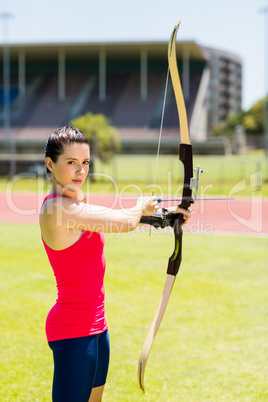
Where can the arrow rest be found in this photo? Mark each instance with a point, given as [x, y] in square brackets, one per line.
[194, 182]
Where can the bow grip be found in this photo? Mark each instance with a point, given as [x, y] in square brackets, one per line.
[174, 261]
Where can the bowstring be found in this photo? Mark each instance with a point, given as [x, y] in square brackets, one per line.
[160, 131]
[154, 184]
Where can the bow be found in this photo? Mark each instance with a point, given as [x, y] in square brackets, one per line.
[174, 220]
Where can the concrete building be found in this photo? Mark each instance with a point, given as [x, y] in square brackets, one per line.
[225, 85]
[52, 83]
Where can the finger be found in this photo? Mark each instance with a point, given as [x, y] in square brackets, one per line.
[182, 211]
[185, 213]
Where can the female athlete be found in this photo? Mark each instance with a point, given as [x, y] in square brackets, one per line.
[72, 234]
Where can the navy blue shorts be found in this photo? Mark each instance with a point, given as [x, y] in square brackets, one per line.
[80, 364]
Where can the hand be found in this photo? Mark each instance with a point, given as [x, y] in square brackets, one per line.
[178, 210]
[149, 205]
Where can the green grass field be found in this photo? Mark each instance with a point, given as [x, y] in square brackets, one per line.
[134, 173]
[212, 344]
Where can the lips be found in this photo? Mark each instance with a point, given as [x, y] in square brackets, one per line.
[78, 181]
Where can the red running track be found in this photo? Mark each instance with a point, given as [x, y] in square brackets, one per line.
[240, 216]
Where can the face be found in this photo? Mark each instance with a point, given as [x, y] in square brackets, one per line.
[71, 168]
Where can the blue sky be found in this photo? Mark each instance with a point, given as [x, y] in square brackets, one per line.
[236, 26]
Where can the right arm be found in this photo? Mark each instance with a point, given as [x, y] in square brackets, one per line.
[70, 214]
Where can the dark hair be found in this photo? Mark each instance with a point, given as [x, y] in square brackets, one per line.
[59, 138]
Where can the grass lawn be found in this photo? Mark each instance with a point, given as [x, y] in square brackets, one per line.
[134, 173]
[212, 344]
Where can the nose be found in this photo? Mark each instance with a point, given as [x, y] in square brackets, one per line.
[80, 169]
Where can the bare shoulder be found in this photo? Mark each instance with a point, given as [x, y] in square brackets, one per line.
[53, 205]
[51, 210]
[53, 223]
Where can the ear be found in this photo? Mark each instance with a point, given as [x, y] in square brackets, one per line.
[49, 164]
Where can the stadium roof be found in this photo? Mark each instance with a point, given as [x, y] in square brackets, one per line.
[113, 49]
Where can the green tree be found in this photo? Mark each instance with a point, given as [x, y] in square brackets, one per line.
[252, 120]
[227, 127]
[103, 138]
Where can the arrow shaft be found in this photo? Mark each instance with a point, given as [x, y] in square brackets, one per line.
[199, 199]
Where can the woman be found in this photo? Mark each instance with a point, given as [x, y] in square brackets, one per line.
[72, 233]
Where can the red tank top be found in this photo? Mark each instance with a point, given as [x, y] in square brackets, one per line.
[79, 272]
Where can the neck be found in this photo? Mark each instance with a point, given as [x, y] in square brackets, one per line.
[57, 188]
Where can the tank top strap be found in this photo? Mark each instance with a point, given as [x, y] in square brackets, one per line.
[50, 196]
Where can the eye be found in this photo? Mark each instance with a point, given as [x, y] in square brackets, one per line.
[70, 162]
[86, 162]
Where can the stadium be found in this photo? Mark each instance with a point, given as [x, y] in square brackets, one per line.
[211, 343]
[50, 84]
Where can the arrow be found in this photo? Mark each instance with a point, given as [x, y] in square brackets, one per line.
[199, 199]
